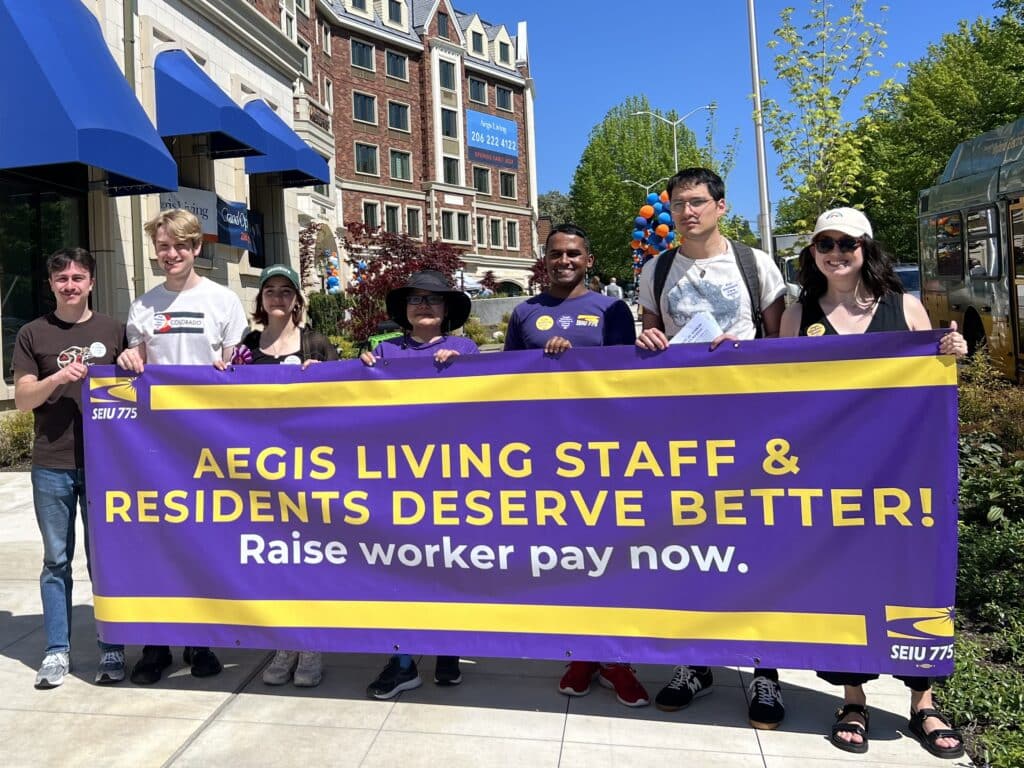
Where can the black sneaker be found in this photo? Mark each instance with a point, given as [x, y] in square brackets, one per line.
[447, 671]
[155, 659]
[204, 661]
[687, 684]
[766, 707]
[393, 680]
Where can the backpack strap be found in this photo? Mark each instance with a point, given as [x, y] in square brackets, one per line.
[662, 266]
[748, 268]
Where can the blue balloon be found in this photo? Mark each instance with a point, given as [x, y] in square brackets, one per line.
[664, 218]
[332, 281]
[638, 234]
[671, 236]
[659, 207]
[653, 198]
[639, 221]
[334, 289]
[362, 264]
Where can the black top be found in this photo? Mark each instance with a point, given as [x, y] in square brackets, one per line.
[888, 317]
[313, 346]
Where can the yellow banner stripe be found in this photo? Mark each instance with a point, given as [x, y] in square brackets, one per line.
[880, 373]
[818, 628]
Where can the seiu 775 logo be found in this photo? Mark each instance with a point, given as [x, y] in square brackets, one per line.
[113, 397]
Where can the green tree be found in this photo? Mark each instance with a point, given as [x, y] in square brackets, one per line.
[822, 63]
[556, 206]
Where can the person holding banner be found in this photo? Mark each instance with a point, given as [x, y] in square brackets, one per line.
[428, 309]
[848, 286]
[284, 340]
[186, 320]
[597, 320]
[52, 355]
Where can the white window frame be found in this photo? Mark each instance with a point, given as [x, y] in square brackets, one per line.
[386, 13]
[391, 153]
[288, 26]
[419, 221]
[508, 46]
[355, 158]
[376, 206]
[372, 96]
[366, 10]
[303, 6]
[327, 93]
[511, 227]
[389, 52]
[441, 64]
[398, 218]
[451, 215]
[490, 233]
[307, 55]
[373, 54]
[511, 98]
[460, 217]
[515, 186]
[454, 112]
[458, 174]
[481, 230]
[408, 116]
[482, 51]
[325, 36]
[486, 170]
[470, 89]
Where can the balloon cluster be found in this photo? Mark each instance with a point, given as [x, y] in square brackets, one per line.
[654, 230]
[332, 272]
[358, 271]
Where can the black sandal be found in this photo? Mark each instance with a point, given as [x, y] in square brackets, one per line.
[916, 725]
[854, 728]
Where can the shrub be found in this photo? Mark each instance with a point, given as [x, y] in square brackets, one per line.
[991, 482]
[476, 331]
[326, 312]
[989, 403]
[16, 436]
[347, 349]
[990, 579]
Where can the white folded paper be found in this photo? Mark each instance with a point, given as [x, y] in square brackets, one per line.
[701, 329]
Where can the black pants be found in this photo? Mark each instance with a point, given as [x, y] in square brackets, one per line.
[917, 684]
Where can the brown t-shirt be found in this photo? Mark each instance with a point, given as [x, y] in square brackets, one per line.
[45, 346]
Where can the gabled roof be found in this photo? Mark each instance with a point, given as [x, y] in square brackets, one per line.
[339, 10]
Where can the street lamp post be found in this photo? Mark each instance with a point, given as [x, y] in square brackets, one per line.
[675, 124]
[646, 187]
[765, 216]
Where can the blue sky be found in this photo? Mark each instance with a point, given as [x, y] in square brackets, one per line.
[588, 56]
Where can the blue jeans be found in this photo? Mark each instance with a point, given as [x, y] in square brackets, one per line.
[58, 494]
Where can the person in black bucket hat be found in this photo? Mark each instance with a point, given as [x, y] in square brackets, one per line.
[428, 309]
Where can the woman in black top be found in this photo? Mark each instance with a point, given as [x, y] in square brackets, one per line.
[279, 307]
[849, 286]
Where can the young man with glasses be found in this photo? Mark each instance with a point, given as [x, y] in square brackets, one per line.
[706, 273]
[187, 320]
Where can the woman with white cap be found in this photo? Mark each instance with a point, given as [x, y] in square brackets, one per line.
[848, 286]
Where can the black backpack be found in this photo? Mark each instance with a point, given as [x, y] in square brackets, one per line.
[748, 268]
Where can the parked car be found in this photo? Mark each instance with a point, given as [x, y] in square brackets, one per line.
[910, 276]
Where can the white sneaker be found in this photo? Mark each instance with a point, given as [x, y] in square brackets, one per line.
[310, 670]
[280, 669]
[55, 667]
[111, 668]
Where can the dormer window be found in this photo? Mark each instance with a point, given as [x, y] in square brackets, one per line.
[394, 11]
[503, 53]
[478, 43]
[442, 25]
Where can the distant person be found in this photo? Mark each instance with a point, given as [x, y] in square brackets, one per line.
[613, 289]
[186, 320]
[52, 355]
[595, 284]
[564, 316]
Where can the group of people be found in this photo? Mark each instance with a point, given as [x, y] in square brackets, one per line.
[848, 287]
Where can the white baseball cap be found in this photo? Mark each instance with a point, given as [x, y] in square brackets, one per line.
[849, 221]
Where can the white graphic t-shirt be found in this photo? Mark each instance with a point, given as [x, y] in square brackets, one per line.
[714, 285]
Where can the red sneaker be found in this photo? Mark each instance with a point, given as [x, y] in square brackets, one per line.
[622, 679]
[577, 677]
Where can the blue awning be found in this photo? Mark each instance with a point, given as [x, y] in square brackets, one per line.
[63, 99]
[189, 102]
[297, 162]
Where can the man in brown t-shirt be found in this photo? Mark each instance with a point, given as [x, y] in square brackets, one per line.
[51, 357]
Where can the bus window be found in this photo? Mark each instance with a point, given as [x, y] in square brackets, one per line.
[982, 244]
[949, 245]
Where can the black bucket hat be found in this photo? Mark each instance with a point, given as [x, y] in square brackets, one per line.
[457, 304]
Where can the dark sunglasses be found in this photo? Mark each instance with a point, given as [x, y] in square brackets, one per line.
[433, 299]
[846, 244]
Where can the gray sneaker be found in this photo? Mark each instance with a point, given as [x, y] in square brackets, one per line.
[55, 667]
[280, 669]
[310, 670]
[111, 668]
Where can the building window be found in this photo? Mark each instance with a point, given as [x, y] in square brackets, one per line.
[391, 218]
[398, 116]
[401, 165]
[477, 90]
[327, 95]
[362, 55]
[397, 65]
[412, 222]
[364, 107]
[325, 37]
[394, 11]
[447, 74]
[370, 218]
[450, 123]
[366, 159]
[511, 234]
[478, 43]
[481, 231]
[503, 97]
[302, 5]
[451, 170]
[508, 184]
[462, 221]
[496, 233]
[359, 5]
[307, 59]
[447, 225]
[288, 24]
[482, 180]
[503, 53]
[442, 25]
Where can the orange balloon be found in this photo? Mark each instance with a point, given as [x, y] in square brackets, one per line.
[634, 243]
[647, 211]
[661, 230]
[664, 196]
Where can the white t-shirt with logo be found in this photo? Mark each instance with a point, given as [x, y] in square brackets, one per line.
[713, 285]
[189, 327]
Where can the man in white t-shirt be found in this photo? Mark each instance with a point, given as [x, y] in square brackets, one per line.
[705, 276]
[188, 320]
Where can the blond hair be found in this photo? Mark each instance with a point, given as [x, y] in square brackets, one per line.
[180, 224]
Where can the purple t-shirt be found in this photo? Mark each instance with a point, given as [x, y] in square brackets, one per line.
[406, 346]
[590, 320]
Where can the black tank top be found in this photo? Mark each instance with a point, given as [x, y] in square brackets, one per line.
[888, 317]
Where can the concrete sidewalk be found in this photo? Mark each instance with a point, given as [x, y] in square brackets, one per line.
[507, 712]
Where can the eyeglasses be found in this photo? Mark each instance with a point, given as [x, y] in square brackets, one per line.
[695, 205]
[846, 244]
[433, 299]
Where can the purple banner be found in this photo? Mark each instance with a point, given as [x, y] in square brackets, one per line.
[785, 503]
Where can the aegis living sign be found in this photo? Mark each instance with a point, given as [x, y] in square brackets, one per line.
[222, 221]
[492, 140]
